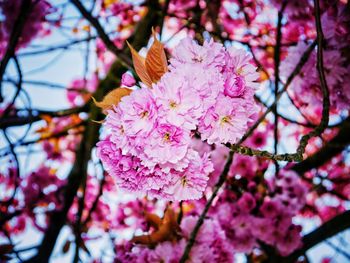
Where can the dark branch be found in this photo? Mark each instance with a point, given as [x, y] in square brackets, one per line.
[24, 12]
[331, 149]
[102, 34]
[13, 121]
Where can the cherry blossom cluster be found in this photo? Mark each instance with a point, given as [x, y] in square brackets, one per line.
[211, 246]
[236, 223]
[32, 28]
[97, 210]
[39, 189]
[208, 91]
[263, 213]
[306, 89]
[56, 147]
[79, 90]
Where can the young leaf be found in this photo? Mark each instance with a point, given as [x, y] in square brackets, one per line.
[166, 229]
[140, 67]
[156, 62]
[112, 98]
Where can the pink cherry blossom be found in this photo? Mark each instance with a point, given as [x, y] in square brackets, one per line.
[221, 124]
[191, 183]
[128, 80]
[189, 52]
[139, 112]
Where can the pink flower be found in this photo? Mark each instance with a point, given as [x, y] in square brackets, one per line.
[292, 192]
[289, 241]
[80, 90]
[33, 27]
[288, 65]
[38, 187]
[246, 203]
[208, 82]
[244, 243]
[108, 153]
[179, 104]
[224, 124]
[242, 225]
[191, 183]
[263, 230]
[167, 252]
[166, 144]
[209, 231]
[270, 208]
[116, 126]
[234, 86]
[128, 80]
[239, 72]
[258, 139]
[189, 52]
[151, 129]
[218, 156]
[139, 112]
[128, 171]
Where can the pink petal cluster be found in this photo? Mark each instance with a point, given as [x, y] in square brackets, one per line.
[209, 90]
[254, 218]
[305, 89]
[33, 26]
[80, 90]
[210, 246]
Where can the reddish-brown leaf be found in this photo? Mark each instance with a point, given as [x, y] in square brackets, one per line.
[112, 98]
[167, 229]
[153, 220]
[140, 67]
[156, 62]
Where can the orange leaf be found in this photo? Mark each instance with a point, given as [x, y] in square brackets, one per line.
[153, 220]
[167, 229]
[156, 62]
[140, 67]
[112, 98]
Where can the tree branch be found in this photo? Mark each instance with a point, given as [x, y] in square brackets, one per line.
[13, 121]
[331, 149]
[102, 34]
[24, 12]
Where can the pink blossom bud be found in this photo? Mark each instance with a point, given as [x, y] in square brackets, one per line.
[234, 86]
[128, 80]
